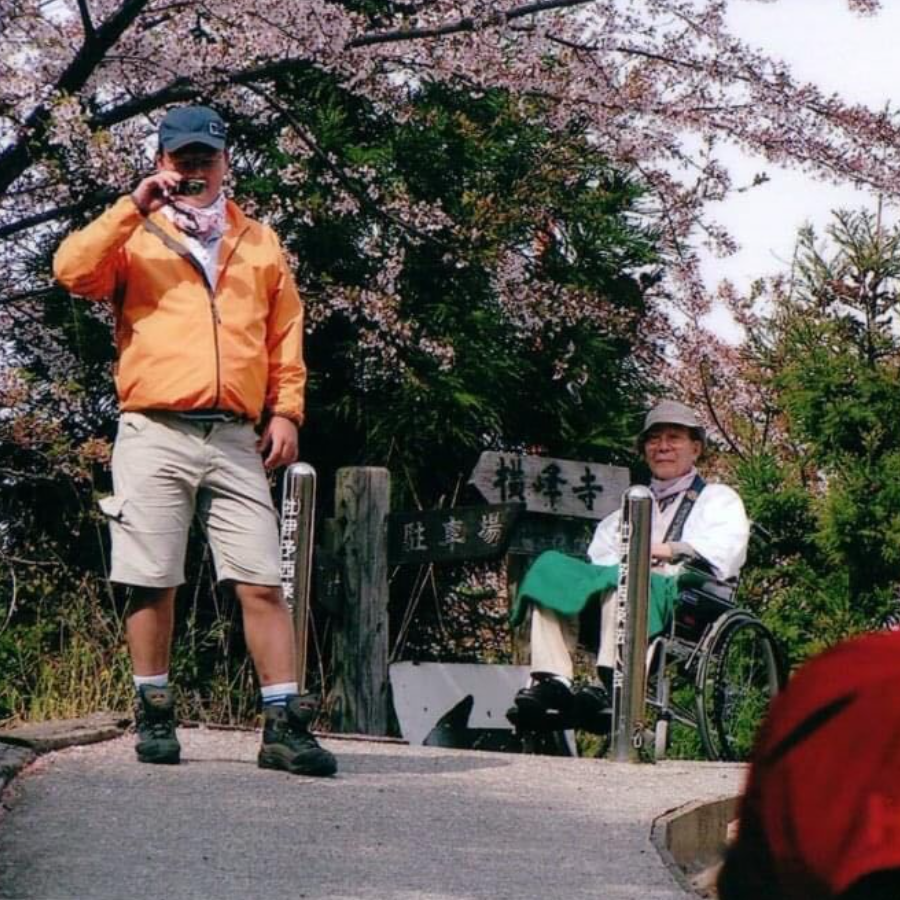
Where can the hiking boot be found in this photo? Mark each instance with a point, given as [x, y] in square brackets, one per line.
[545, 705]
[593, 709]
[154, 720]
[287, 742]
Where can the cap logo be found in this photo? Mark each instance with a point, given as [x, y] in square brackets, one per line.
[216, 129]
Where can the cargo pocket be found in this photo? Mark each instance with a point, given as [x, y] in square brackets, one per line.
[112, 507]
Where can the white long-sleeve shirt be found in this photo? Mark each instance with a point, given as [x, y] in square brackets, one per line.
[717, 529]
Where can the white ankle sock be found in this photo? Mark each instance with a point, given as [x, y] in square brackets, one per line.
[279, 694]
[561, 678]
[161, 680]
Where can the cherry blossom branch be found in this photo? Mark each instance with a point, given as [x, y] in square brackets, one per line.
[59, 212]
[468, 23]
[711, 409]
[20, 154]
[347, 183]
[87, 24]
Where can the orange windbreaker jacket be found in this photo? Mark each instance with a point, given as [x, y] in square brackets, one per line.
[183, 344]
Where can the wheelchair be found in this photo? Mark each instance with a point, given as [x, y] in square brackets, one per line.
[715, 669]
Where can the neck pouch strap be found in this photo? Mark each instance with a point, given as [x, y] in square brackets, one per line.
[176, 247]
[676, 526]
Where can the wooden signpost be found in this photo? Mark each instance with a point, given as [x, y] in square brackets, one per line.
[360, 694]
[564, 498]
[534, 504]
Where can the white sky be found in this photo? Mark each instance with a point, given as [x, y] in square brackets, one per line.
[823, 42]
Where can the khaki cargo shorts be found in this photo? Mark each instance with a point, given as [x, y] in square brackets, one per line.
[164, 470]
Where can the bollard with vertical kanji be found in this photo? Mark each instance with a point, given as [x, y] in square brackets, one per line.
[298, 502]
[632, 611]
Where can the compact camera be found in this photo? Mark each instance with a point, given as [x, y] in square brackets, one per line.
[190, 187]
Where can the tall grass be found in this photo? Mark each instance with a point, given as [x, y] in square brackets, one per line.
[63, 652]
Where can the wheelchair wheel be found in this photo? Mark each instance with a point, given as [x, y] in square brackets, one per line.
[660, 738]
[739, 672]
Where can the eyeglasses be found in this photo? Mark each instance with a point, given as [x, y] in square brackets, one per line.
[654, 439]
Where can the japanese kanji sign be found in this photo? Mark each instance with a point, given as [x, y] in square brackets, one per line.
[562, 487]
[448, 535]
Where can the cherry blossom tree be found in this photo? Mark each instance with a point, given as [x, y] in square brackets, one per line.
[659, 84]
[631, 97]
[656, 86]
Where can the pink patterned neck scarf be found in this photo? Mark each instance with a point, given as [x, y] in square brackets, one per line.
[671, 486]
[205, 223]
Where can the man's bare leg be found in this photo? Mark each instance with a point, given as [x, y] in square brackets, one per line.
[149, 626]
[269, 632]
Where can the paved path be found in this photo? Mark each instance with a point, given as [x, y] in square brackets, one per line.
[398, 823]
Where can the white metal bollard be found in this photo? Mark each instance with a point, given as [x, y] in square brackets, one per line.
[298, 503]
[632, 611]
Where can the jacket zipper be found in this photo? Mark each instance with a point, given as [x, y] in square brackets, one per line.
[214, 310]
[216, 321]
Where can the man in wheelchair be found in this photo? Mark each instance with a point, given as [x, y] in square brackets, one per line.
[695, 523]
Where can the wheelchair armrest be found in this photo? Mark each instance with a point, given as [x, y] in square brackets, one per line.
[696, 564]
[695, 577]
[700, 604]
[705, 593]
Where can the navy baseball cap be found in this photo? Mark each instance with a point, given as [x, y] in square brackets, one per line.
[185, 125]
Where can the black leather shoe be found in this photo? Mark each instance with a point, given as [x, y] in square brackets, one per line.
[545, 705]
[593, 709]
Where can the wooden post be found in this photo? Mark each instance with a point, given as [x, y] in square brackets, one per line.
[360, 697]
[520, 637]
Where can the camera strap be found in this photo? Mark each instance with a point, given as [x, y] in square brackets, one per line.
[177, 247]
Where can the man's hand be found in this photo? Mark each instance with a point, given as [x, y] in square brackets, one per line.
[155, 190]
[278, 443]
[661, 552]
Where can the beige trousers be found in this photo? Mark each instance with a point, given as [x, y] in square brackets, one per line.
[554, 638]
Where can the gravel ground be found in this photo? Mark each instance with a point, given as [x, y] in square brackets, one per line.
[397, 823]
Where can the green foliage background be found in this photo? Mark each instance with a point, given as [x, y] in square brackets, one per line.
[824, 488]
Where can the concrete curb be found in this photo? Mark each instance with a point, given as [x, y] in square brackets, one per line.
[12, 761]
[692, 838]
[20, 746]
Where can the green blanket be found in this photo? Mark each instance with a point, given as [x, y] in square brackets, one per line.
[566, 585]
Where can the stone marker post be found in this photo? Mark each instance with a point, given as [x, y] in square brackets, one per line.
[298, 506]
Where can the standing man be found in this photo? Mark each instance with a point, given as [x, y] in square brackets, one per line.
[209, 332]
[692, 522]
